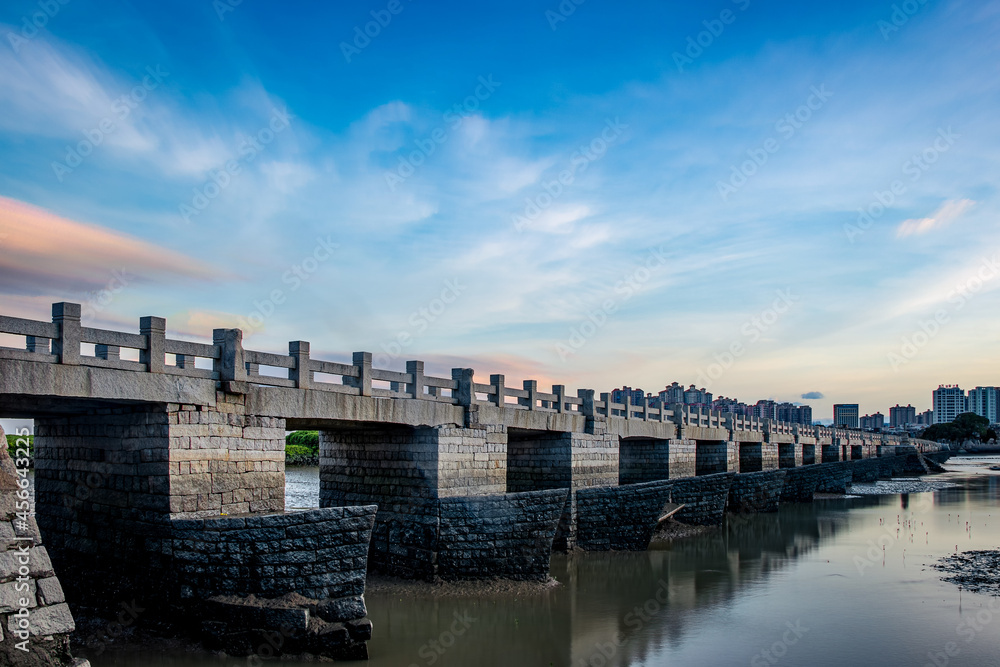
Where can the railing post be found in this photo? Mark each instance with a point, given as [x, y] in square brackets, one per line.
[110, 352]
[363, 362]
[416, 369]
[464, 392]
[67, 346]
[606, 399]
[500, 397]
[231, 364]
[530, 386]
[155, 331]
[300, 374]
[588, 409]
[627, 400]
[560, 392]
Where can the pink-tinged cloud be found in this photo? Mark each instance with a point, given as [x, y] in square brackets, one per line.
[946, 214]
[42, 253]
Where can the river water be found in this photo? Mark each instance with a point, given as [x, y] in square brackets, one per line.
[842, 581]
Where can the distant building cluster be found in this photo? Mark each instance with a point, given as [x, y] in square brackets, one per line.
[948, 401]
[694, 397]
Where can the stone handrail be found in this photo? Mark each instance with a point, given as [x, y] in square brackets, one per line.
[60, 342]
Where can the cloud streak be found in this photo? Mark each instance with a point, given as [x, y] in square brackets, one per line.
[948, 212]
[44, 253]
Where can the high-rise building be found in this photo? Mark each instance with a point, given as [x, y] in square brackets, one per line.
[794, 414]
[875, 422]
[949, 402]
[805, 415]
[636, 396]
[983, 401]
[901, 415]
[925, 418]
[672, 394]
[846, 414]
[765, 409]
[697, 397]
[731, 406]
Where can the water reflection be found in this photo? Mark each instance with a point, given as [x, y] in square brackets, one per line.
[717, 599]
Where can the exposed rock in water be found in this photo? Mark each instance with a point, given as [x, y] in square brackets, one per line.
[671, 530]
[900, 485]
[976, 571]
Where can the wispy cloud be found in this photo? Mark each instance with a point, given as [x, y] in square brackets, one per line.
[949, 211]
[45, 253]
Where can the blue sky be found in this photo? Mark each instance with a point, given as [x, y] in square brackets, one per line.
[588, 197]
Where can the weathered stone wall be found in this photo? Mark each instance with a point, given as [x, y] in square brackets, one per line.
[471, 461]
[683, 458]
[769, 456]
[537, 461]
[319, 554]
[808, 454]
[831, 453]
[644, 460]
[715, 456]
[750, 457]
[705, 498]
[835, 477]
[866, 470]
[756, 492]
[789, 455]
[800, 484]
[26, 574]
[506, 535]
[620, 517]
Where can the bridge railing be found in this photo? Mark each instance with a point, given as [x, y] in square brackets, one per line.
[60, 341]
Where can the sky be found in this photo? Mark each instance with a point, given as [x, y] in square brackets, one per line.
[795, 201]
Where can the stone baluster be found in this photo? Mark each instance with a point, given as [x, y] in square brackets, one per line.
[300, 373]
[155, 331]
[415, 369]
[67, 346]
[231, 364]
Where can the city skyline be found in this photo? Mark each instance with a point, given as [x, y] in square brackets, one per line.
[656, 210]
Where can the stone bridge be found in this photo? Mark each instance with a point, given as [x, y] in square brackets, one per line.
[164, 473]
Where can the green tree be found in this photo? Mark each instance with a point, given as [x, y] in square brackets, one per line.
[966, 426]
